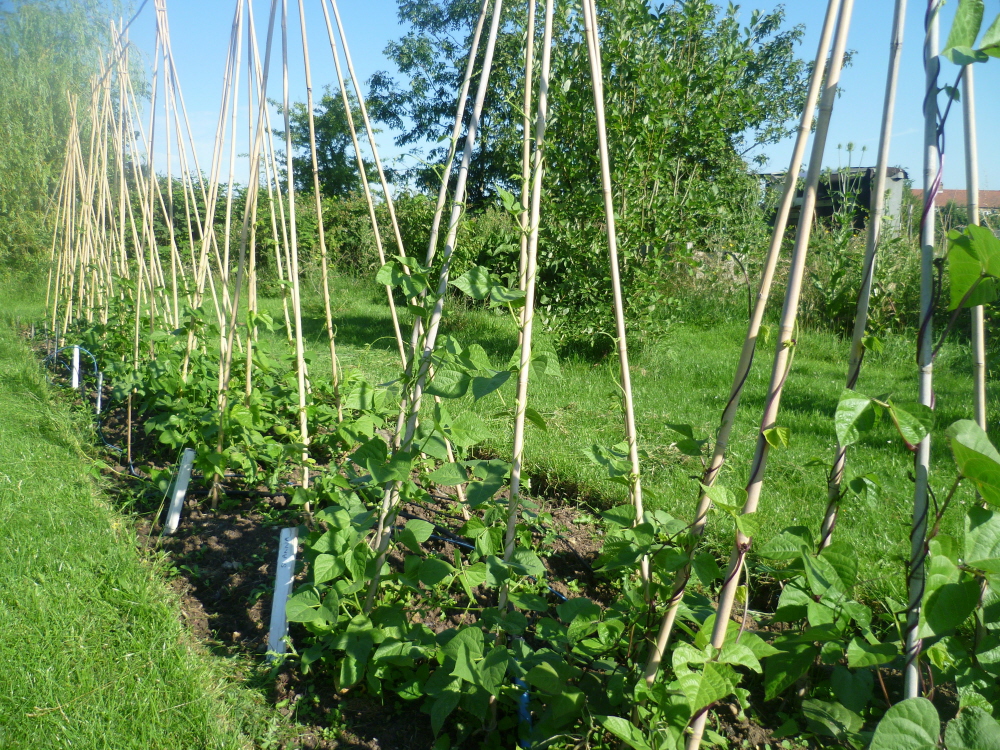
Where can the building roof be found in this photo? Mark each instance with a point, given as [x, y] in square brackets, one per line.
[988, 199]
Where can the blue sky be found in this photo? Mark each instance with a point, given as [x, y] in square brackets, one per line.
[200, 34]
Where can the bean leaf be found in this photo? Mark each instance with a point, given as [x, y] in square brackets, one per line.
[976, 457]
[475, 282]
[909, 725]
[972, 729]
[855, 414]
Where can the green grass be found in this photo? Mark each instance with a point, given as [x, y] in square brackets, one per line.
[93, 651]
[684, 377]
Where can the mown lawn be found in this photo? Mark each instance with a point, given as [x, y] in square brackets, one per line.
[93, 651]
[683, 377]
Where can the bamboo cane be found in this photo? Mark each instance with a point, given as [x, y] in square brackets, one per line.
[711, 473]
[319, 215]
[294, 268]
[925, 359]
[528, 311]
[364, 181]
[529, 59]
[271, 177]
[972, 204]
[597, 77]
[412, 403]
[368, 130]
[783, 349]
[249, 217]
[868, 268]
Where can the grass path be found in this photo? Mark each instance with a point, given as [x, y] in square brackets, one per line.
[93, 653]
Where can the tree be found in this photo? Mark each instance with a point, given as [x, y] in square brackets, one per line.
[337, 162]
[691, 94]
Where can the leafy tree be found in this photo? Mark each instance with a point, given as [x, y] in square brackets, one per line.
[692, 94]
[338, 171]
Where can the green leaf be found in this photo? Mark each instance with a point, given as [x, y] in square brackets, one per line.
[855, 414]
[536, 419]
[545, 677]
[909, 725]
[416, 532]
[784, 668]
[973, 254]
[778, 437]
[914, 422]
[526, 562]
[492, 669]
[965, 26]
[950, 604]
[976, 458]
[844, 559]
[853, 689]
[475, 282]
[706, 568]
[327, 567]
[468, 640]
[449, 475]
[444, 704]
[303, 606]
[475, 357]
[982, 539]
[972, 729]
[545, 364]
[501, 295]
[788, 545]
[965, 55]
[527, 600]
[484, 386]
[448, 384]
[860, 653]
[396, 470]
[991, 39]
[392, 274]
[835, 568]
[739, 654]
[831, 719]
[434, 570]
[624, 730]
[705, 687]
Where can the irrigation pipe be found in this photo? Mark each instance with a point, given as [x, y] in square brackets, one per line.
[783, 349]
[711, 473]
[875, 217]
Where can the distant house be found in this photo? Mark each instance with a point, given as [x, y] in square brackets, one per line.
[989, 200]
[853, 185]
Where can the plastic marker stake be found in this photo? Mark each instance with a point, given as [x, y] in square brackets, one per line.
[76, 368]
[287, 548]
[180, 488]
[100, 389]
